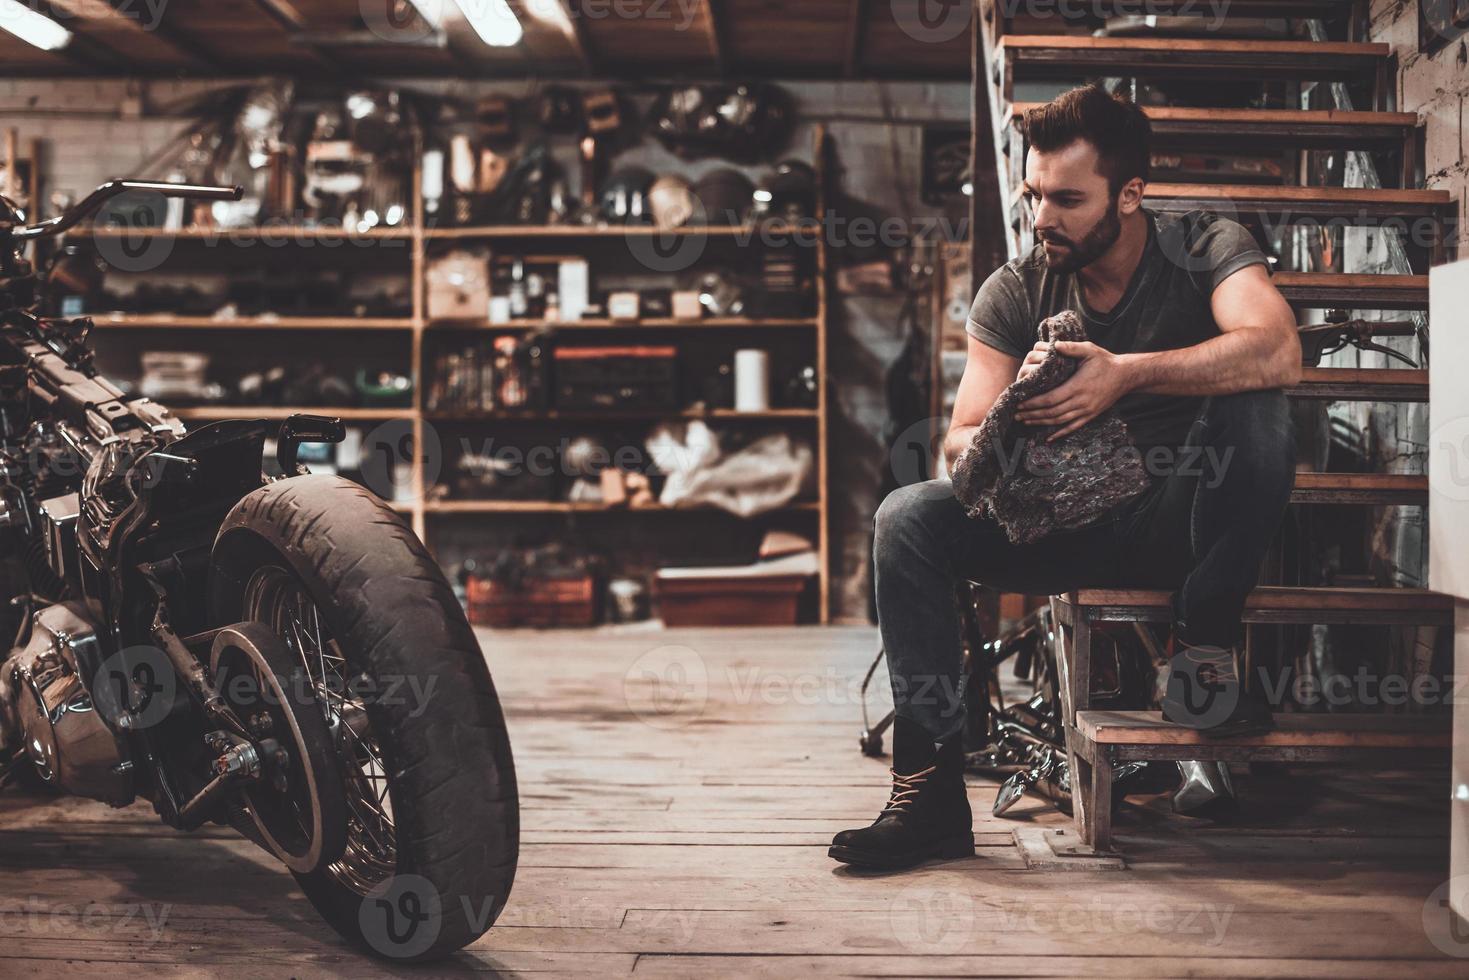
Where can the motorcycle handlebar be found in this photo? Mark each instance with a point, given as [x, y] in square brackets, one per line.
[94, 200]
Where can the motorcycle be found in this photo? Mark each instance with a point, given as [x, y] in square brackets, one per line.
[278, 653]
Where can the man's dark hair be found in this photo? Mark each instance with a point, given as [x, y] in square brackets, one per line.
[1116, 126]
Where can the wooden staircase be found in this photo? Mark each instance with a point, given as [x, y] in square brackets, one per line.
[1072, 56]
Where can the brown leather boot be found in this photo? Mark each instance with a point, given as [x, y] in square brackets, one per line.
[927, 815]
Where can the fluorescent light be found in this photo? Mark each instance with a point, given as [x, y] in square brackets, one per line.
[493, 20]
[32, 27]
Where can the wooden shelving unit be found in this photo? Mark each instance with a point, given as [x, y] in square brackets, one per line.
[418, 236]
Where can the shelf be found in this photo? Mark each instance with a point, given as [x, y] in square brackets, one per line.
[592, 416]
[412, 247]
[615, 231]
[214, 413]
[648, 322]
[170, 321]
[268, 234]
[566, 507]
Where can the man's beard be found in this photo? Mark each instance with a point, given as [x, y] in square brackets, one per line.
[1092, 246]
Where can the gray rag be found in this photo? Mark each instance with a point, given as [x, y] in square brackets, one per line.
[1033, 487]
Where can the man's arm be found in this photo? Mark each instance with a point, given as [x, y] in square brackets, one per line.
[987, 372]
[1258, 347]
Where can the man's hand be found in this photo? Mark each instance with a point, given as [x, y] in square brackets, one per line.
[1034, 359]
[1100, 380]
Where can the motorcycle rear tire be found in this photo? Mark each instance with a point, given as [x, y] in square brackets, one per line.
[451, 774]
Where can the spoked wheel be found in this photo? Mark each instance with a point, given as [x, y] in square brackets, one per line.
[296, 798]
[404, 698]
[275, 601]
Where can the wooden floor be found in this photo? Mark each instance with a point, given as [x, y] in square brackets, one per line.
[679, 790]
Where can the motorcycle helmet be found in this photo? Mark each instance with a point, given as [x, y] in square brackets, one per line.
[671, 201]
[788, 194]
[724, 196]
[624, 196]
[739, 122]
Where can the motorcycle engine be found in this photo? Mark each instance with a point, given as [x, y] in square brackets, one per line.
[44, 701]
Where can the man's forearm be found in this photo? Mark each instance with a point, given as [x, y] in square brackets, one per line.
[1241, 360]
[956, 441]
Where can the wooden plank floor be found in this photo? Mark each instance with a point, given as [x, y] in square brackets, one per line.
[679, 790]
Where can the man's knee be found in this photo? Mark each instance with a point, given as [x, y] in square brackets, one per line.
[910, 515]
[1256, 426]
[1253, 410]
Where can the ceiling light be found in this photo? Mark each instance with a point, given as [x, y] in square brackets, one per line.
[493, 20]
[32, 27]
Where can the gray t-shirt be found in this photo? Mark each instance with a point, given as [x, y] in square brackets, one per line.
[1165, 307]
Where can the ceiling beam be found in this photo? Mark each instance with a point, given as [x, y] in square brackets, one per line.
[858, 16]
[290, 20]
[580, 37]
[718, 36]
[184, 45]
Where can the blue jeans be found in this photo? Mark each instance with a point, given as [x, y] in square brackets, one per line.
[1201, 530]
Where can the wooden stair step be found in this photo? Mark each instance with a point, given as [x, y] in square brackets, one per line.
[1339, 731]
[1360, 488]
[1353, 291]
[1280, 604]
[1362, 384]
[1030, 56]
[1270, 129]
[1316, 203]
